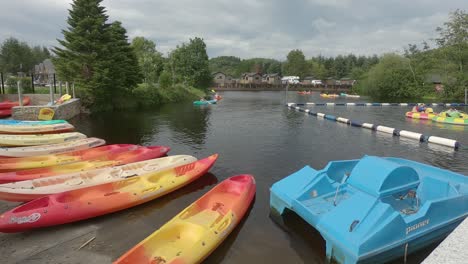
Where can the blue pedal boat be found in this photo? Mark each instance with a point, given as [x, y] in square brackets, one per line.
[374, 209]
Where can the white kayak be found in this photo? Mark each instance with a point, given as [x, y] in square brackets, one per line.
[80, 144]
[39, 139]
[32, 189]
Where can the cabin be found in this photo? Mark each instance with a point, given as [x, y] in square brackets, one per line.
[221, 79]
[330, 81]
[436, 81]
[43, 71]
[251, 78]
[308, 80]
[273, 78]
[347, 82]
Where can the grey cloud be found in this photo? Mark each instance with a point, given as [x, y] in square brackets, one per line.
[248, 28]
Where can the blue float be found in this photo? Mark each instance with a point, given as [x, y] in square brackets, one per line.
[374, 209]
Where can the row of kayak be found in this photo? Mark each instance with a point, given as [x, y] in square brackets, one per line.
[67, 177]
[447, 117]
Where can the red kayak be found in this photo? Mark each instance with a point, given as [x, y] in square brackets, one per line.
[7, 104]
[113, 159]
[101, 199]
[5, 113]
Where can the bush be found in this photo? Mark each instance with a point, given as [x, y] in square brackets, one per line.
[26, 85]
[147, 95]
[165, 80]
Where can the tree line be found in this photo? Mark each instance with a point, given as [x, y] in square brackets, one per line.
[296, 64]
[18, 56]
[412, 74]
[409, 74]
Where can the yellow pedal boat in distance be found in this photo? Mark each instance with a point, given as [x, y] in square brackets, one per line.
[40, 139]
[198, 230]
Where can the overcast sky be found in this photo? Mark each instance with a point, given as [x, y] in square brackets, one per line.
[249, 28]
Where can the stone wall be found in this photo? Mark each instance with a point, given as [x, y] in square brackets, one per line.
[63, 111]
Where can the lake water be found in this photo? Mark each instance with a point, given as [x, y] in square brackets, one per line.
[254, 133]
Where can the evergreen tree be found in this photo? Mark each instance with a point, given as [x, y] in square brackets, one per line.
[96, 55]
[126, 73]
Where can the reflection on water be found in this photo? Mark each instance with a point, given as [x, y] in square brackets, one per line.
[255, 133]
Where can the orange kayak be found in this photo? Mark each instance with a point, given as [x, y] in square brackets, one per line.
[9, 104]
[193, 234]
[76, 205]
[103, 152]
[115, 159]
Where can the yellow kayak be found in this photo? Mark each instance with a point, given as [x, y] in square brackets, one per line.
[194, 233]
[40, 139]
[75, 145]
[37, 129]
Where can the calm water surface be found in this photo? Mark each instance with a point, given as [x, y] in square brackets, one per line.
[254, 133]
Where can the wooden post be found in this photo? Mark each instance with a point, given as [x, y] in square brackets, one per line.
[60, 88]
[67, 90]
[51, 91]
[73, 89]
[55, 85]
[32, 82]
[3, 86]
[20, 96]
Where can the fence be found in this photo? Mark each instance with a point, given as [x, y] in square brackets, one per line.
[34, 83]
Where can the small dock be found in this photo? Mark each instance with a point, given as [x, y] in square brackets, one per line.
[453, 249]
[65, 111]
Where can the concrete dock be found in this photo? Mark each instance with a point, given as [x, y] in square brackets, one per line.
[453, 250]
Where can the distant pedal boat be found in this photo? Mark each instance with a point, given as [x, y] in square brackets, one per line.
[375, 209]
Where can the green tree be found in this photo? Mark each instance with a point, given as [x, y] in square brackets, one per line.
[391, 78]
[15, 56]
[226, 64]
[150, 60]
[453, 45]
[126, 73]
[295, 64]
[96, 55]
[274, 67]
[189, 63]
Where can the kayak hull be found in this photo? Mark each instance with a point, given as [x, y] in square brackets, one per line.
[198, 230]
[40, 139]
[417, 115]
[9, 104]
[29, 190]
[205, 102]
[32, 123]
[116, 159]
[35, 129]
[76, 205]
[58, 148]
[101, 153]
